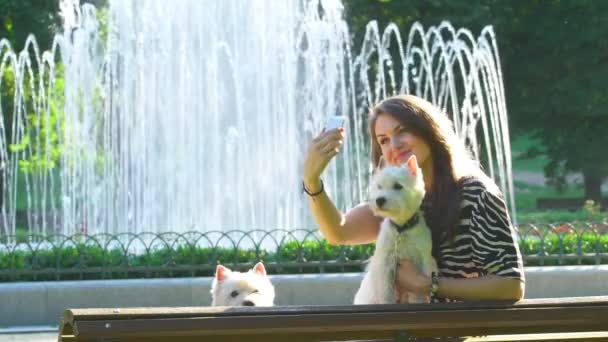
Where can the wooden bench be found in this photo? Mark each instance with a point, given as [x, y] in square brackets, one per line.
[335, 323]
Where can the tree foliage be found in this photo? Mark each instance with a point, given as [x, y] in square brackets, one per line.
[554, 55]
[557, 88]
[20, 18]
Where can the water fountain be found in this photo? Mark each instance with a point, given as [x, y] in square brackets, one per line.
[195, 115]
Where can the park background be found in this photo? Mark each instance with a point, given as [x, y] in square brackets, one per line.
[554, 59]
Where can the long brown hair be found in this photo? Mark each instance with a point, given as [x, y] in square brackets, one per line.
[451, 162]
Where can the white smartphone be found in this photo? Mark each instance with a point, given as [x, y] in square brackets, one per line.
[334, 122]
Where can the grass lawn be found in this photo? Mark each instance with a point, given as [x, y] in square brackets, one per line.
[519, 145]
[525, 204]
[526, 194]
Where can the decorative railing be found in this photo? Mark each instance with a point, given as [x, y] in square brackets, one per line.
[576, 243]
[194, 254]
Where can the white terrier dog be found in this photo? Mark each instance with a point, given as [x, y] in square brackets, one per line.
[397, 194]
[232, 288]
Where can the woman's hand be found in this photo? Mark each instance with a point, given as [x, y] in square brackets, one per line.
[409, 279]
[321, 150]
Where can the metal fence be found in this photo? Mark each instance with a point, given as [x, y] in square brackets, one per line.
[191, 254]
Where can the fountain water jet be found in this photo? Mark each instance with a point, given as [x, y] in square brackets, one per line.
[195, 116]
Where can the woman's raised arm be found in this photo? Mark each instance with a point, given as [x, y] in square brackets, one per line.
[358, 225]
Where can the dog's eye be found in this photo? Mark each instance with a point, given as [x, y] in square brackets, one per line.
[255, 291]
[234, 294]
[397, 186]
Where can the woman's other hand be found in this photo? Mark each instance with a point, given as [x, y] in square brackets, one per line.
[409, 279]
[320, 151]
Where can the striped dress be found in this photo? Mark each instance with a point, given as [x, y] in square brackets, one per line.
[485, 241]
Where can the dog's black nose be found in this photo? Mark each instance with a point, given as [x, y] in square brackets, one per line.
[380, 201]
[248, 303]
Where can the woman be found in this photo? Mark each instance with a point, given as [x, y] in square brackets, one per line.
[474, 241]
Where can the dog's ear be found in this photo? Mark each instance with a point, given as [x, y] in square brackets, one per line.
[259, 269]
[221, 272]
[412, 165]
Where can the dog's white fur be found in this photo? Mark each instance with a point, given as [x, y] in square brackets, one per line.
[252, 288]
[396, 195]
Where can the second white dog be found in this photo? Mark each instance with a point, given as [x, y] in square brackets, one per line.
[396, 195]
[252, 288]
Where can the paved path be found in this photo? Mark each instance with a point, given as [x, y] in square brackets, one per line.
[29, 337]
[592, 336]
[538, 178]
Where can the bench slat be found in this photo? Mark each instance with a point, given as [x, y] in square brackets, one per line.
[342, 322]
[125, 313]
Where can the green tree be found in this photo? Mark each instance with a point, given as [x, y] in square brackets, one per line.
[473, 14]
[556, 84]
[23, 17]
[554, 55]
[38, 142]
[19, 19]
[39, 139]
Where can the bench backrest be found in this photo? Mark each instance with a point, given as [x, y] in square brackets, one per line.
[315, 323]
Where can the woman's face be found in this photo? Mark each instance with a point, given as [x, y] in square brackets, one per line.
[398, 142]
